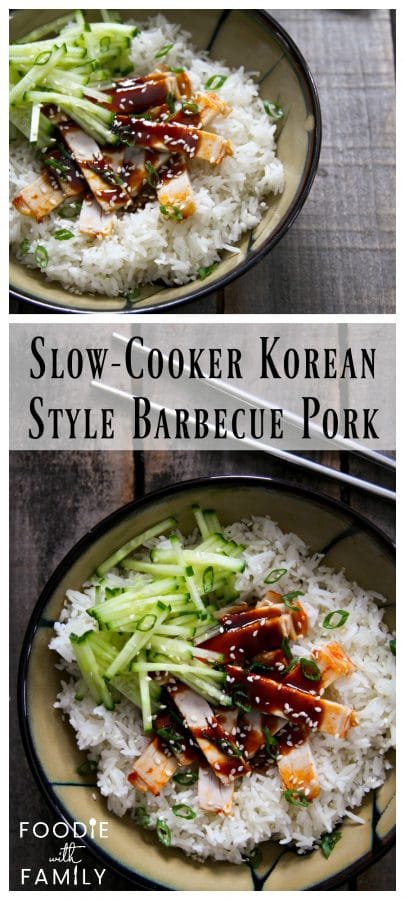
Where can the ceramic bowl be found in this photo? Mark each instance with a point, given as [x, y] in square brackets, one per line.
[328, 527]
[255, 40]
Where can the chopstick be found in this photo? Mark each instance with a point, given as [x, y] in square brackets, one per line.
[285, 455]
[294, 420]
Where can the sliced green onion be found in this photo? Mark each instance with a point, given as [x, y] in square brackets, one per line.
[296, 798]
[105, 43]
[393, 647]
[286, 649]
[183, 811]
[273, 110]
[153, 174]
[178, 70]
[57, 166]
[41, 257]
[215, 82]
[291, 665]
[146, 623]
[163, 832]
[87, 768]
[271, 745]
[24, 246]
[186, 778]
[287, 599]
[141, 816]
[164, 51]
[190, 107]
[208, 579]
[108, 175]
[275, 575]
[170, 737]
[241, 700]
[43, 58]
[342, 614]
[328, 843]
[310, 669]
[204, 271]
[70, 210]
[63, 234]
[170, 101]
[171, 212]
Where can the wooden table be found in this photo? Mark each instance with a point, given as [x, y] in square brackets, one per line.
[56, 498]
[339, 256]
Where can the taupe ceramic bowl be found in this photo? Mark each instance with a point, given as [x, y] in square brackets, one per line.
[348, 541]
[238, 37]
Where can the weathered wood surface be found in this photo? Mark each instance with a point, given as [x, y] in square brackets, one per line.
[339, 254]
[338, 257]
[55, 498]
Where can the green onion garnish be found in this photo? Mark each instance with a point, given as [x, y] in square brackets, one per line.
[342, 614]
[87, 768]
[215, 82]
[70, 210]
[107, 174]
[41, 257]
[141, 816]
[275, 575]
[296, 798]
[178, 70]
[204, 271]
[291, 665]
[271, 743]
[25, 246]
[164, 51]
[153, 175]
[186, 778]
[328, 842]
[57, 166]
[273, 110]
[63, 234]
[146, 623]
[241, 700]
[105, 43]
[286, 649]
[173, 738]
[393, 647]
[183, 811]
[43, 58]
[208, 579]
[310, 669]
[171, 212]
[163, 832]
[287, 598]
[170, 102]
[190, 107]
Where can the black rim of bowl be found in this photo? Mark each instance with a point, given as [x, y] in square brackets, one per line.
[283, 226]
[228, 481]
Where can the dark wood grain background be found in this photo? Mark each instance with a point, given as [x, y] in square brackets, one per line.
[56, 497]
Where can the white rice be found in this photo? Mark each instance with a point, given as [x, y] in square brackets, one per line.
[230, 198]
[347, 769]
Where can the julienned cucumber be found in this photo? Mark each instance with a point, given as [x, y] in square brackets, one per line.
[136, 542]
[62, 63]
[152, 609]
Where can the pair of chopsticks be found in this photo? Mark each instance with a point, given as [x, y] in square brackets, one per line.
[293, 420]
